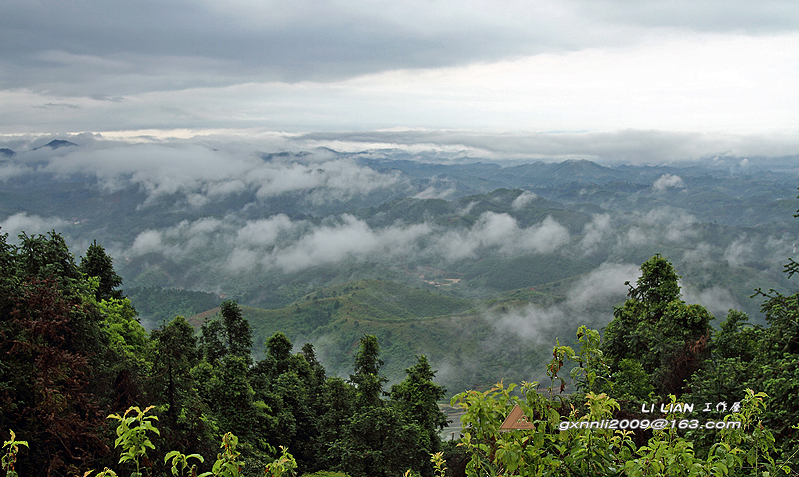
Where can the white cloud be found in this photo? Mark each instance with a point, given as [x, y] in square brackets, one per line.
[203, 173]
[595, 232]
[263, 232]
[15, 224]
[667, 181]
[523, 199]
[717, 300]
[604, 283]
[634, 237]
[701, 256]
[207, 236]
[588, 301]
[8, 170]
[545, 237]
[672, 224]
[351, 238]
[531, 322]
[739, 252]
[146, 242]
[501, 231]
[433, 192]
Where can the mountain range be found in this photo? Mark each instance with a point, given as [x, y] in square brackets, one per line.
[481, 265]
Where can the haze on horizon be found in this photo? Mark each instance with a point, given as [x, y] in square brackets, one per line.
[630, 80]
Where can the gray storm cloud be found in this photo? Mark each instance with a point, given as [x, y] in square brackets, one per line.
[157, 45]
[340, 65]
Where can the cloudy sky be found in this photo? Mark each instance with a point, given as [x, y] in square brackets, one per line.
[705, 77]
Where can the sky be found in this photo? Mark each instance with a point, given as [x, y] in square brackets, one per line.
[553, 78]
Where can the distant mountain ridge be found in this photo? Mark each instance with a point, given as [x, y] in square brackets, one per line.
[327, 246]
[55, 144]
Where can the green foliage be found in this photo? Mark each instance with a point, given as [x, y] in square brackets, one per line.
[417, 396]
[283, 465]
[98, 264]
[103, 473]
[61, 344]
[631, 382]
[212, 341]
[553, 450]
[776, 366]
[60, 353]
[132, 435]
[379, 441]
[229, 335]
[658, 330]
[180, 462]
[174, 353]
[278, 353]
[325, 473]
[367, 378]
[46, 257]
[438, 463]
[10, 457]
[229, 395]
[227, 462]
[237, 330]
[126, 336]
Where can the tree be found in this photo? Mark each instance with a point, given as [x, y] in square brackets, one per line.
[212, 343]
[230, 335]
[317, 370]
[237, 330]
[54, 355]
[380, 441]
[46, 380]
[373, 439]
[417, 398]
[367, 378]
[654, 327]
[278, 354]
[336, 406]
[776, 365]
[174, 354]
[97, 263]
[227, 391]
[48, 257]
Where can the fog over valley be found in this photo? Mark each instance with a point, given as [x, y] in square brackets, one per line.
[518, 164]
[521, 252]
[333, 235]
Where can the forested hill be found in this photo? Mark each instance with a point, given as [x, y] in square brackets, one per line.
[528, 251]
[77, 367]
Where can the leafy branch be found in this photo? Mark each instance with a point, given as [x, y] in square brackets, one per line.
[132, 435]
[10, 458]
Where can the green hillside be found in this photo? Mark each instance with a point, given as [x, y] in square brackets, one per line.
[457, 335]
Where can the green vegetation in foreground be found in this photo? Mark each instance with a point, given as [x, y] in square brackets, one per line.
[74, 355]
